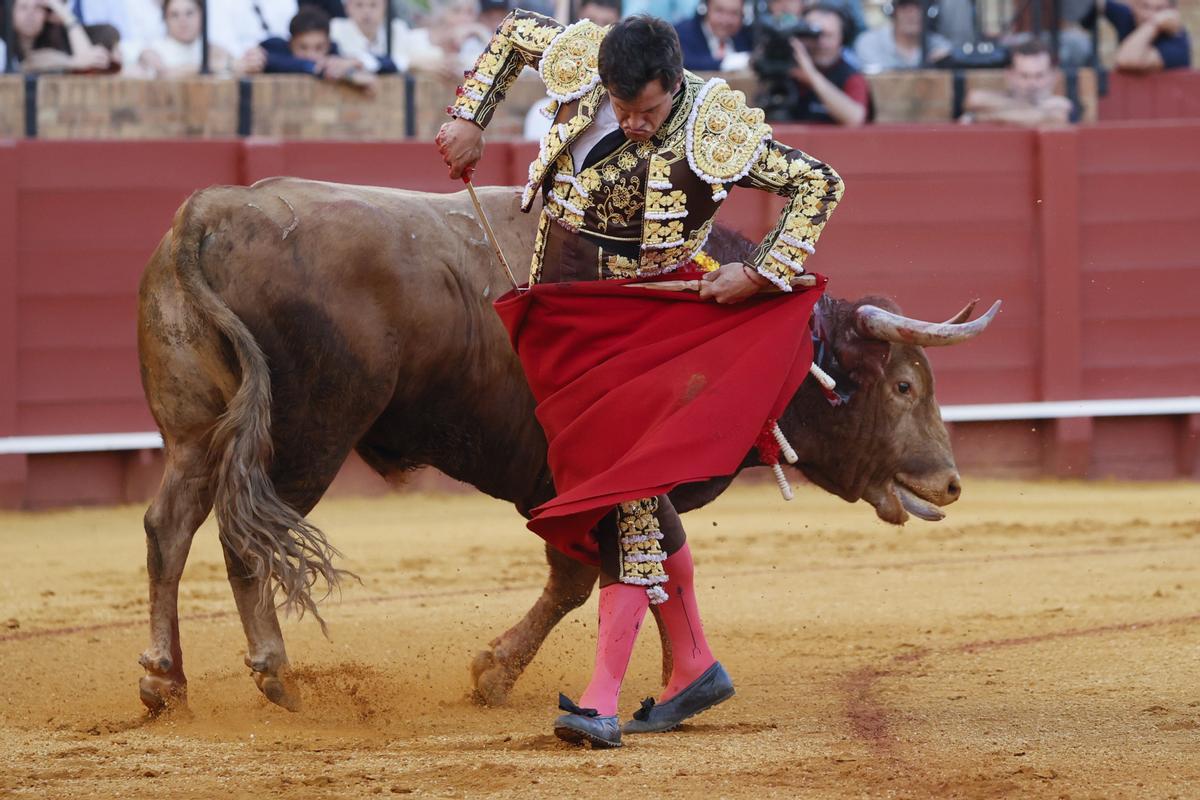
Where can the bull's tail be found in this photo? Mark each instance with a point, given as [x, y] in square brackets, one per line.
[288, 554]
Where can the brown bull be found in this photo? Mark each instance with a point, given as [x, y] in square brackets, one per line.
[283, 325]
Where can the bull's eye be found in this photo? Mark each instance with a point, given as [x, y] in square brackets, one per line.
[903, 387]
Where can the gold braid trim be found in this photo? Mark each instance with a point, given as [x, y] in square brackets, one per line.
[814, 190]
[639, 541]
[519, 42]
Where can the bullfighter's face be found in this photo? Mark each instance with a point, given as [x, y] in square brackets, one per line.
[641, 117]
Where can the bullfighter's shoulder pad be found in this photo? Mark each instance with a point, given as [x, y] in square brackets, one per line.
[724, 135]
[529, 31]
[570, 65]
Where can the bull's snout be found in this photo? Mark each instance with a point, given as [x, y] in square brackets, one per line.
[953, 488]
[941, 487]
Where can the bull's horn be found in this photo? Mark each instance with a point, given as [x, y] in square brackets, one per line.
[873, 322]
[964, 315]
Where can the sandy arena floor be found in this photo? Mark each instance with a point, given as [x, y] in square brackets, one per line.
[1042, 641]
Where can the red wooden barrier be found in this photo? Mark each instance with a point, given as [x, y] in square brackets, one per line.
[1174, 94]
[1088, 235]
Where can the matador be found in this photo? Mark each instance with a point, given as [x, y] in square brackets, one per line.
[640, 157]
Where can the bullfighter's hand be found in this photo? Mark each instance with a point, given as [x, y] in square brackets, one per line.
[731, 283]
[460, 142]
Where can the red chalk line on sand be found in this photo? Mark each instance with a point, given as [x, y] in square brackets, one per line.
[20, 636]
[869, 719]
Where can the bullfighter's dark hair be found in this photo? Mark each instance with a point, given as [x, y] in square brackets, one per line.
[308, 19]
[638, 50]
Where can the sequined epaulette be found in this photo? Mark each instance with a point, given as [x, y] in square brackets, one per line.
[570, 63]
[725, 137]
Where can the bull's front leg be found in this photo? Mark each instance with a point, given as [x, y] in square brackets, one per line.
[495, 670]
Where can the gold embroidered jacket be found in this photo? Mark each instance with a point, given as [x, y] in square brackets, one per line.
[657, 197]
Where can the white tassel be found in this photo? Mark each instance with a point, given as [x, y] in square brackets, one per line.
[785, 447]
[823, 378]
[785, 488]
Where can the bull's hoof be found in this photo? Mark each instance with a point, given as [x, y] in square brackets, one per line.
[493, 680]
[279, 689]
[161, 694]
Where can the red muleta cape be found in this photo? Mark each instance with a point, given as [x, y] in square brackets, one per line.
[641, 390]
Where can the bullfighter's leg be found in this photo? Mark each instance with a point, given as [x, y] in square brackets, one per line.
[496, 669]
[697, 681]
[183, 501]
[265, 653]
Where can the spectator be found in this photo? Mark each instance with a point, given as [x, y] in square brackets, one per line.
[237, 26]
[179, 52]
[828, 90]
[716, 38]
[601, 12]
[956, 20]
[897, 44]
[362, 35]
[50, 38]
[451, 41]
[673, 11]
[144, 25]
[310, 51]
[108, 37]
[854, 19]
[1151, 35]
[1028, 99]
[491, 14]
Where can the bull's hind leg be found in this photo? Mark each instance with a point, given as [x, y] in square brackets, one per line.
[496, 670]
[183, 501]
[301, 477]
[265, 653]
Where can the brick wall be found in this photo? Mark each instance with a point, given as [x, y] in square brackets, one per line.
[299, 107]
[12, 106]
[104, 107]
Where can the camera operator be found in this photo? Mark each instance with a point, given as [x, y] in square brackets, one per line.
[819, 87]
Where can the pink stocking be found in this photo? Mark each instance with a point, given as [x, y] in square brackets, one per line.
[622, 607]
[681, 618]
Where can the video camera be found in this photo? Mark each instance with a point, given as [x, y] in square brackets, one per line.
[774, 60]
[773, 51]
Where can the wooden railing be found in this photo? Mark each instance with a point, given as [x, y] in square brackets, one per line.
[300, 107]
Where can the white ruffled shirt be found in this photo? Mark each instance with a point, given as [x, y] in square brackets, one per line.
[604, 123]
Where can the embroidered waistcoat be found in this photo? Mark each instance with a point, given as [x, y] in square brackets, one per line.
[648, 205]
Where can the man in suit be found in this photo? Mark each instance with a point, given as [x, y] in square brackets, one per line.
[716, 39]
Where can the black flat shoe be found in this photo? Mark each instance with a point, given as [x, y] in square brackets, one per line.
[711, 688]
[581, 725]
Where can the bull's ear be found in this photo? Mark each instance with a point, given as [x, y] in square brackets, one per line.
[864, 360]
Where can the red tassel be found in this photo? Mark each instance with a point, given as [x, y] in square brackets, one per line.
[768, 448]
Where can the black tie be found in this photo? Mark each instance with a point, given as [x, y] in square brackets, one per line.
[603, 148]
